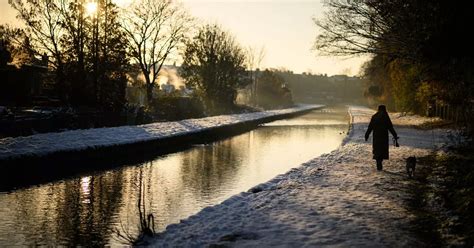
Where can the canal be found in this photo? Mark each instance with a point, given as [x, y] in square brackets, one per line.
[93, 209]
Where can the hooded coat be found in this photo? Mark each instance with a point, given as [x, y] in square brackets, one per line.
[380, 124]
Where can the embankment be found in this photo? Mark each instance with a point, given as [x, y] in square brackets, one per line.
[45, 157]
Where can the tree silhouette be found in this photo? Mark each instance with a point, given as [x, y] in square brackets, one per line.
[87, 51]
[45, 27]
[412, 43]
[154, 29]
[214, 64]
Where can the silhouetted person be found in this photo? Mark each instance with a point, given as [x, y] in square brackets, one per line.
[380, 124]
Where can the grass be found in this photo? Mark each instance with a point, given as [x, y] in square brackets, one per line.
[425, 224]
[439, 123]
[443, 198]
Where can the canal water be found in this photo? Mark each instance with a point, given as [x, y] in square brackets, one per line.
[101, 208]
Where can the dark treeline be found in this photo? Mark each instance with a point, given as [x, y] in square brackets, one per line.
[94, 58]
[87, 53]
[421, 59]
[421, 54]
[91, 47]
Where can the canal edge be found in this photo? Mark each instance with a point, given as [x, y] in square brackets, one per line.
[60, 164]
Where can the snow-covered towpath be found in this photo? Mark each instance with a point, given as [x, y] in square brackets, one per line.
[337, 199]
[77, 140]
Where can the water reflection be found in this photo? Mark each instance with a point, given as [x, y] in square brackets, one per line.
[78, 211]
[86, 189]
[89, 209]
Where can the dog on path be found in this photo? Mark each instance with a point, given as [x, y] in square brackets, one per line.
[411, 164]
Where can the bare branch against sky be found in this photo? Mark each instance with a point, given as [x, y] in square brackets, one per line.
[284, 27]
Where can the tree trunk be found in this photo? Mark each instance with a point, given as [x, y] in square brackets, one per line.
[61, 85]
[149, 93]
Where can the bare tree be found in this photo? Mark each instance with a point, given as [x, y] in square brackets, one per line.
[254, 58]
[214, 64]
[86, 50]
[155, 29]
[44, 27]
[365, 27]
[15, 47]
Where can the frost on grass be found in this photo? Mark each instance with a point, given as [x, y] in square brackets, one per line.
[337, 199]
[77, 140]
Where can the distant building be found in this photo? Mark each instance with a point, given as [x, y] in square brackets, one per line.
[342, 78]
[23, 82]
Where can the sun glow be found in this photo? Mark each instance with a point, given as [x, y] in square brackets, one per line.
[122, 3]
[91, 8]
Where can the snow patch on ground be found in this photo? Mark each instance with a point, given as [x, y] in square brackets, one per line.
[77, 140]
[337, 199]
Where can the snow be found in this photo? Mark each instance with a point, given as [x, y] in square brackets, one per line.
[77, 140]
[338, 199]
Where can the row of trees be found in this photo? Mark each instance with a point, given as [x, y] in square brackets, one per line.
[87, 51]
[420, 50]
[217, 66]
[92, 47]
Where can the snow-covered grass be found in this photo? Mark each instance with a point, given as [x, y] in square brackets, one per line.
[76, 140]
[338, 199]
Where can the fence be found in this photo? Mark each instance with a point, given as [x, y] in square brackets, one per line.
[457, 114]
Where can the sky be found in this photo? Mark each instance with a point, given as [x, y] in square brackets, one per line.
[283, 27]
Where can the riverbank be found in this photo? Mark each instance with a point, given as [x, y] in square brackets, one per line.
[337, 199]
[52, 155]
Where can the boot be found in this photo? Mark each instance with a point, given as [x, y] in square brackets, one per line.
[379, 165]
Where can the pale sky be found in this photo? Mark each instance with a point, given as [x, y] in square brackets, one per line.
[284, 27]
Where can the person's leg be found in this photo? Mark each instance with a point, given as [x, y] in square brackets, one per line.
[379, 164]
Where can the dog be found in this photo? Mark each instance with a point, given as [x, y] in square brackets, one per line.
[411, 164]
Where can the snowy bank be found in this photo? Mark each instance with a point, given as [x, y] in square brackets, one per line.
[337, 199]
[41, 145]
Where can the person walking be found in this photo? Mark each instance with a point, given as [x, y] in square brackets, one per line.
[380, 124]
